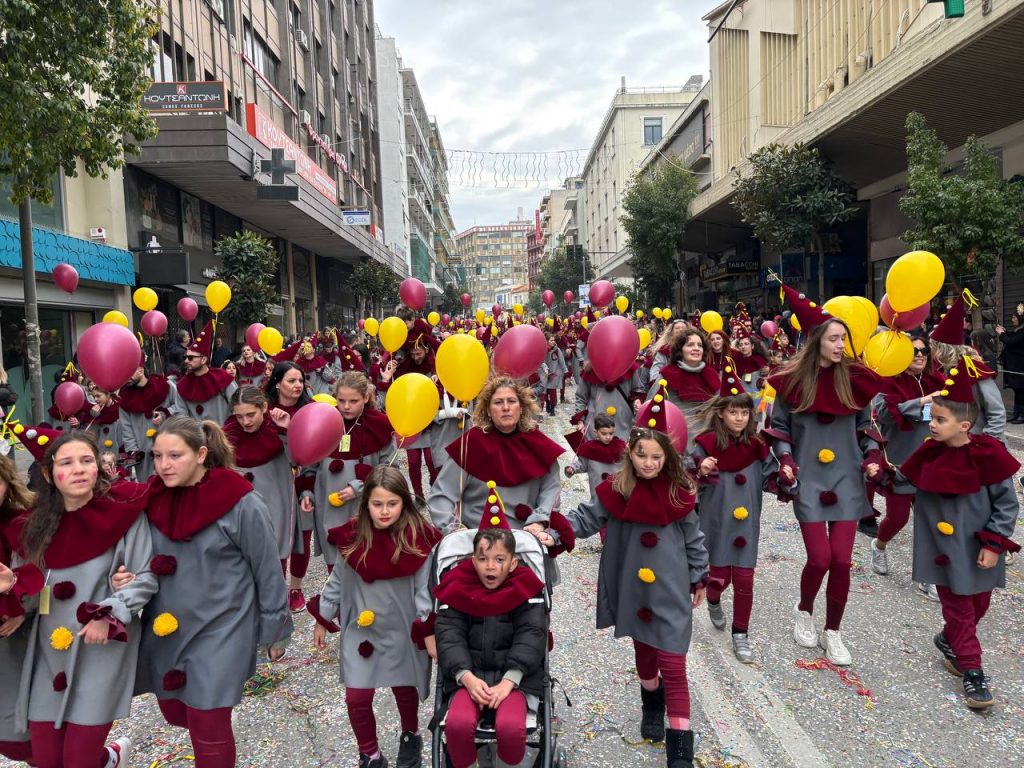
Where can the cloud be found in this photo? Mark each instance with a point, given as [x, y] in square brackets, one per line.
[534, 76]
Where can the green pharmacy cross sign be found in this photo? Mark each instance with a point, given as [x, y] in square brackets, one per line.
[954, 8]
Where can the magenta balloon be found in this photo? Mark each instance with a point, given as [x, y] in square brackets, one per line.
[568, 296]
[480, 333]
[187, 309]
[768, 329]
[520, 351]
[252, 336]
[466, 299]
[903, 321]
[674, 420]
[69, 397]
[612, 347]
[154, 323]
[578, 315]
[548, 297]
[413, 293]
[361, 323]
[601, 294]
[108, 354]
[66, 277]
[446, 318]
[315, 431]
[496, 310]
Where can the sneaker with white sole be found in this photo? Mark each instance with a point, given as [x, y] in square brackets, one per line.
[929, 591]
[832, 643]
[879, 559]
[717, 615]
[741, 647]
[117, 753]
[803, 629]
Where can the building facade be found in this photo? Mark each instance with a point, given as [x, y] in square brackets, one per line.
[447, 265]
[495, 259]
[391, 110]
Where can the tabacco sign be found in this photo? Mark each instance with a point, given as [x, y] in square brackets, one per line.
[262, 127]
[710, 273]
[204, 96]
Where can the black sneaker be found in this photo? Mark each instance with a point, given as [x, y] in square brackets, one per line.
[410, 750]
[948, 657]
[976, 690]
[365, 761]
[868, 526]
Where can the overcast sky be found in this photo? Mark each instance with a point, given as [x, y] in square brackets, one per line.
[535, 76]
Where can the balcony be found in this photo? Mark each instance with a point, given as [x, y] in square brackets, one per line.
[413, 117]
[420, 208]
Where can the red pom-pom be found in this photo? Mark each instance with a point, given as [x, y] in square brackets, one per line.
[942, 560]
[60, 682]
[739, 542]
[363, 471]
[366, 649]
[645, 615]
[63, 590]
[649, 539]
[605, 475]
[199, 409]
[741, 479]
[174, 680]
[163, 565]
[828, 498]
[523, 511]
[336, 466]
[249, 476]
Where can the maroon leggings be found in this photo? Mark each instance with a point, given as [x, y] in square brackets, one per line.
[18, 751]
[962, 614]
[416, 455]
[509, 729]
[359, 702]
[210, 729]
[897, 514]
[551, 396]
[650, 661]
[829, 550]
[300, 561]
[742, 580]
[70, 746]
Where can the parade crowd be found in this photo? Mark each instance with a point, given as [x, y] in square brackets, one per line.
[162, 540]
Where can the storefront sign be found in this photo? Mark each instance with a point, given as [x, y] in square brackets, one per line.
[202, 96]
[266, 132]
[691, 140]
[710, 273]
[328, 150]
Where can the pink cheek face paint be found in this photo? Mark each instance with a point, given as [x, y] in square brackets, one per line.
[60, 477]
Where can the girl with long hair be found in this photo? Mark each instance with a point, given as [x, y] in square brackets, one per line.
[379, 597]
[103, 419]
[689, 382]
[84, 641]
[221, 596]
[719, 350]
[250, 367]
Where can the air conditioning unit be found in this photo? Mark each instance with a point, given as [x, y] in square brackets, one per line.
[302, 39]
[305, 118]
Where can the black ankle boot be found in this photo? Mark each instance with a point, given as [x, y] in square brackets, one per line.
[410, 750]
[679, 749]
[652, 722]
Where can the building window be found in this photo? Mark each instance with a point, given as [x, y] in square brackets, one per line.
[260, 55]
[49, 216]
[652, 130]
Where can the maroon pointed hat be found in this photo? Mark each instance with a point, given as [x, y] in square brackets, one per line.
[203, 343]
[807, 312]
[36, 439]
[731, 384]
[652, 413]
[950, 329]
[288, 354]
[958, 385]
[739, 331]
[494, 509]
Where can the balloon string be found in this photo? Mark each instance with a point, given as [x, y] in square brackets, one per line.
[462, 474]
[969, 299]
[7, 428]
[401, 444]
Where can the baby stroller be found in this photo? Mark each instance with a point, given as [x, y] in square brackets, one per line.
[539, 734]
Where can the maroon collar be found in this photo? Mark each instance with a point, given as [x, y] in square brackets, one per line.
[864, 382]
[651, 502]
[251, 370]
[937, 468]
[508, 460]
[736, 456]
[462, 589]
[595, 450]
[691, 387]
[145, 399]
[379, 563]
[180, 513]
[199, 389]
[368, 434]
[311, 364]
[254, 449]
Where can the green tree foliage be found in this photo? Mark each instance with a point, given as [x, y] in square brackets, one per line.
[375, 285]
[451, 300]
[565, 269]
[249, 265]
[790, 198]
[657, 210]
[971, 218]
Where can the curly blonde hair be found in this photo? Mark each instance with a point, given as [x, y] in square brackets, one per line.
[482, 409]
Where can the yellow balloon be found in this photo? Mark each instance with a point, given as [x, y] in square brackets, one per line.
[270, 340]
[621, 304]
[656, 312]
[371, 325]
[550, 322]
[794, 322]
[113, 316]
[711, 321]
[914, 279]
[323, 397]
[462, 366]
[666, 314]
[218, 295]
[411, 402]
[597, 314]
[889, 353]
[393, 333]
[433, 318]
[480, 315]
[645, 338]
[860, 316]
[517, 308]
[584, 321]
[145, 299]
[639, 314]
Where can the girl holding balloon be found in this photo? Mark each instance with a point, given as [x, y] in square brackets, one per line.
[103, 419]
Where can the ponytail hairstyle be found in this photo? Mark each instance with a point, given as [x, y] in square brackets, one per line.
[358, 381]
[209, 435]
[714, 423]
[44, 520]
[624, 481]
[250, 396]
[407, 531]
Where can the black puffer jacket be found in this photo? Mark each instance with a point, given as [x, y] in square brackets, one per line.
[492, 645]
[1013, 357]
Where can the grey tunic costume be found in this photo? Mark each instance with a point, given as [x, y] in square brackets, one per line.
[228, 597]
[108, 436]
[557, 368]
[596, 398]
[99, 677]
[396, 604]
[678, 559]
[274, 483]
[134, 429]
[992, 419]
[217, 408]
[451, 422]
[12, 660]
[457, 488]
[901, 443]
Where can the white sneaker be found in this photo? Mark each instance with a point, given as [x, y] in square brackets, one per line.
[117, 752]
[803, 630]
[879, 559]
[835, 651]
[929, 591]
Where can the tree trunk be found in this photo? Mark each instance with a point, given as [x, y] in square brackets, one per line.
[819, 247]
[28, 270]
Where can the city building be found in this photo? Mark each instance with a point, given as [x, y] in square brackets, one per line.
[391, 113]
[495, 259]
[555, 226]
[534, 255]
[448, 267]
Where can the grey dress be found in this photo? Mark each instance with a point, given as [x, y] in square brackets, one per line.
[274, 483]
[992, 419]
[457, 489]
[136, 431]
[595, 398]
[901, 442]
[216, 408]
[451, 422]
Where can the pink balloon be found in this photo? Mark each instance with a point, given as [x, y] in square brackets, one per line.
[187, 309]
[568, 296]
[496, 310]
[66, 277]
[315, 431]
[612, 347]
[768, 329]
[108, 354]
[520, 351]
[252, 335]
[601, 294]
[578, 315]
[902, 321]
[466, 299]
[413, 293]
[548, 297]
[154, 323]
[361, 323]
[674, 421]
[69, 397]
[446, 318]
[480, 333]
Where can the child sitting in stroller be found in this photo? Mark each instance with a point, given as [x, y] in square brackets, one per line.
[491, 634]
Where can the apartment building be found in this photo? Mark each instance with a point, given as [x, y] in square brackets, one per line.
[447, 265]
[494, 258]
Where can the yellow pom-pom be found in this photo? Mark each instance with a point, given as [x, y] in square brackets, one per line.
[825, 456]
[945, 528]
[646, 575]
[811, 304]
[944, 393]
[151, 432]
[108, 443]
[61, 638]
[740, 513]
[610, 410]
[495, 520]
[659, 398]
[954, 372]
[19, 428]
[728, 369]
[948, 382]
[43, 440]
[165, 624]
[335, 500]
[663, 383]
[365, 619]
[491, 484]
[492, 499]
[651, 423]
[734, 391]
